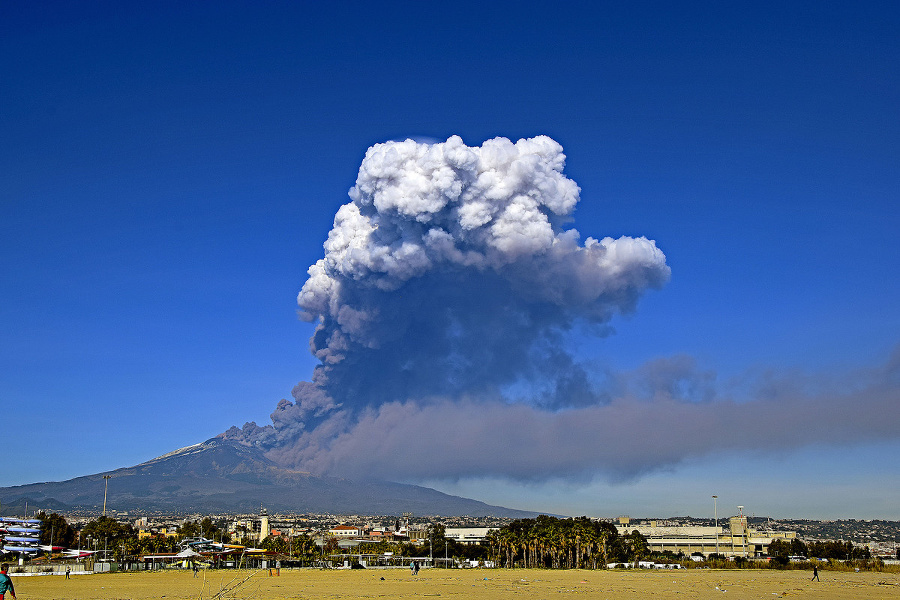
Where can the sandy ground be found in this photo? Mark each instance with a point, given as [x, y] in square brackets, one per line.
[475, 584]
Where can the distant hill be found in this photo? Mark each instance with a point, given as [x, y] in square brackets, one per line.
[20, 505]
[223, 476]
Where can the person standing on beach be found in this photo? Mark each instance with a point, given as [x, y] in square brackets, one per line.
[6, 584]
[815, 576]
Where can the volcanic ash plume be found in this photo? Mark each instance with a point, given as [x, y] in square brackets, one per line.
[450, 278]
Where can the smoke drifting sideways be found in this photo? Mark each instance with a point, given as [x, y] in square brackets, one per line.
[444, 304]
[450, 277]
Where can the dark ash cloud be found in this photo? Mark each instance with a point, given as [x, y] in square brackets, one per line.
[622, 439]
[443, 302]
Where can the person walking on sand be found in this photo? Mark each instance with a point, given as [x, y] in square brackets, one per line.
[412, 568]
[68, 568]
[6, 584]
[815, 576]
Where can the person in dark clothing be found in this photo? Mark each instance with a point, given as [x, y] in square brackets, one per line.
[815, 576]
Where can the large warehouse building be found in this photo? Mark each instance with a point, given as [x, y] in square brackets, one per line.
[738, 540]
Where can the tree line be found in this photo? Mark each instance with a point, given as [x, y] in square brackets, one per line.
[543, 542]
[781, 551]
[554, 543]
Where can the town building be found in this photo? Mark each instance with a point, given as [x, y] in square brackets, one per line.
[467, 535]
[344, 531]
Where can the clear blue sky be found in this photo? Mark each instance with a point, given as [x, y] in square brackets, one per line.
[169, 171]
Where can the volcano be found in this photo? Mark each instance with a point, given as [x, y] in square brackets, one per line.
[225, 476]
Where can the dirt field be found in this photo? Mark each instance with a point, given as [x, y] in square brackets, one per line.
[475, 584]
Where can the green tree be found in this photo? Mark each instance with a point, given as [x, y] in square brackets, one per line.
[550, 542]
[637, 546]
[106, 533]
[798, 548]
[780, 551]
[609, 536]
[155, 545]
[275, 543]
[779, 548]
[436, 533]
[208, 529]
[831, 549]
[331, 545]
[188, 529]
[304, 546]
[56, 531]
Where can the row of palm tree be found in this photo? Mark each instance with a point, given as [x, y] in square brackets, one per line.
[550, 542]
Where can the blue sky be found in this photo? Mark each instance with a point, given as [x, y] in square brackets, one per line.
[169, 172]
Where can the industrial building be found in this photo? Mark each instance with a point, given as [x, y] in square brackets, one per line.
[738, 540]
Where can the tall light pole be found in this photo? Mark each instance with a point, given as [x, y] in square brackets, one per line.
[716, 517]
[106, 479]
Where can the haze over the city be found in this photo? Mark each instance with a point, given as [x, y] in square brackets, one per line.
[594, 259]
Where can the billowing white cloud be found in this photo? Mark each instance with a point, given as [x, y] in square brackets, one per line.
[442, 303]
[450, 271]
[448, 277]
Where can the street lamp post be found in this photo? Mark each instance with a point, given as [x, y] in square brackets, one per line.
[716, 517]
[106, 479]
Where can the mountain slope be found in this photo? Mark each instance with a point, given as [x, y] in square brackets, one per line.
[221, 475]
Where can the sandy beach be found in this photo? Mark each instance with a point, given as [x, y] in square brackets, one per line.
[474, 584]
